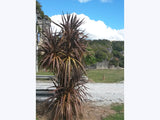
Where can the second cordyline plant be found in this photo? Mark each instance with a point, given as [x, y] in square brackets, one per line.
[62, 54]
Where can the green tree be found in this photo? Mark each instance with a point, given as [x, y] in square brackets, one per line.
[90, 59]
[118, 45]
[100, 56]
[121, 62]
[114, 61]
[38, 8]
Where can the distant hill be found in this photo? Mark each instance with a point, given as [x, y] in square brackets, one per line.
[100, 50]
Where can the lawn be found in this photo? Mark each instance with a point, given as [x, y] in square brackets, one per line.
[106, 76]
[119, 108]
[100, 76]
[44, 73]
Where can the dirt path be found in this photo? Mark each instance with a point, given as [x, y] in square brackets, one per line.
[90, 112]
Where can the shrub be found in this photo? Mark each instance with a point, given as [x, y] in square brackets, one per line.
[63, 53]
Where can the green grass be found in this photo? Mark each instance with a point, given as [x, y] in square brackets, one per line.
[44, 73]
[106, 76]
[100, 76]
[119, 113]
[118, 108]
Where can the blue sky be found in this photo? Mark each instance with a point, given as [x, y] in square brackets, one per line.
[110, 12]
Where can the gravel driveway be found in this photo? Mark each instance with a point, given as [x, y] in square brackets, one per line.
[106, 93]
[101, 93]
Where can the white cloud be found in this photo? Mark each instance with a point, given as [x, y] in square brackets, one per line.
[106, 0]
[94, 29]
[84, 1]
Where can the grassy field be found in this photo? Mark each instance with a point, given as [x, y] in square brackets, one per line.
[100, 76]
[106, 76]
[119, 108]
[44, 73]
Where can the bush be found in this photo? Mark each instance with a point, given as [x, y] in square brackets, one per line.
[100, 56]
[63, 52]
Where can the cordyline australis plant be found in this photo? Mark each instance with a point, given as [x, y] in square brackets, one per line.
[63, 52]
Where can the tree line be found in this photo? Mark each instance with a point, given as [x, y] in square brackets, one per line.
[102, 49]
